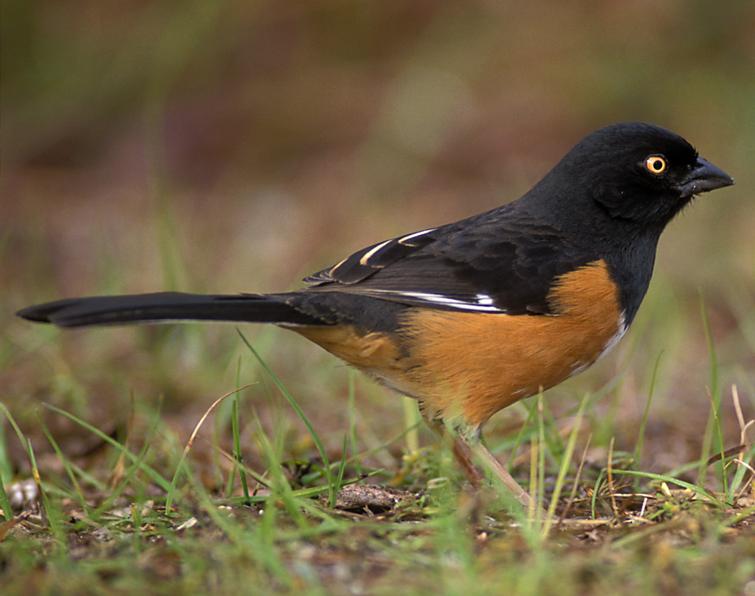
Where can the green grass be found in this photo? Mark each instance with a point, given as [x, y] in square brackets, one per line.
[144, 514]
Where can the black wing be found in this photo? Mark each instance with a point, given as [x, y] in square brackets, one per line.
[502, 261]
[371, 259]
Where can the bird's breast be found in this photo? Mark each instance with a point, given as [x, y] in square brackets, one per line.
[471, 365]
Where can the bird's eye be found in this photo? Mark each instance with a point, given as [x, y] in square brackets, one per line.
[656, 164]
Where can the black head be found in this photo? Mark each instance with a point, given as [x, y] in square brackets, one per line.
[639, 172]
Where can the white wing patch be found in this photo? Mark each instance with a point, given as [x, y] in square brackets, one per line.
[484, 303]
[376, 257]
[369, 254]
[405, 239]
[365, 260]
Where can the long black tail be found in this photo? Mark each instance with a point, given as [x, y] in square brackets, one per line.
[166, 306]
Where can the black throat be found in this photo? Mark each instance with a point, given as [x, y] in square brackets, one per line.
[628, 247]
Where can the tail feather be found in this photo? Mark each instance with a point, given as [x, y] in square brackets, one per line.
[166, 306]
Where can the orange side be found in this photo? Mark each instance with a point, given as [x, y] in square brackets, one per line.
[377, 354]
[470, 365]
[474, 364]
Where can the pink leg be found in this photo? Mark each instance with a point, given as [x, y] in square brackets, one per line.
[465, 451]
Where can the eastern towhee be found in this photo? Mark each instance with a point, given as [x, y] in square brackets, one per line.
[474, 315]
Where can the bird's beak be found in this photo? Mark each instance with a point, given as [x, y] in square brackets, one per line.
[702, 178]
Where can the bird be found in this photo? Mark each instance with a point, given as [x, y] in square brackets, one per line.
[474, 315]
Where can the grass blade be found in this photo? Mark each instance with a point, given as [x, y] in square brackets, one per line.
[153, 474]
[565, 461]
[301, 415]
[698, 490]
[713, 426]
[190, 442]
[237, 455]
[646, 411]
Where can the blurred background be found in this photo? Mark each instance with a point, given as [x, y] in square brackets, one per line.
[232, 146]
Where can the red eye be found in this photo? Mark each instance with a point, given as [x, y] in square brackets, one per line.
[656, 164]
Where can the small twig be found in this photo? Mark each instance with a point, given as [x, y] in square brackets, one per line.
[587, 523]
[577, 476]
[743, 438]
[745, 485]
[190, 442]
[740, 416]
[743, 426]
[120, 465]
[736, 450]
[209, 411]
[259, 478]
[609, 474]
[644, 506]
[8, 525]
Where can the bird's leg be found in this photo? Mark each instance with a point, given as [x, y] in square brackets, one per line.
[464, 457]
[468, 447]
[462, 452]
[489, 461]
